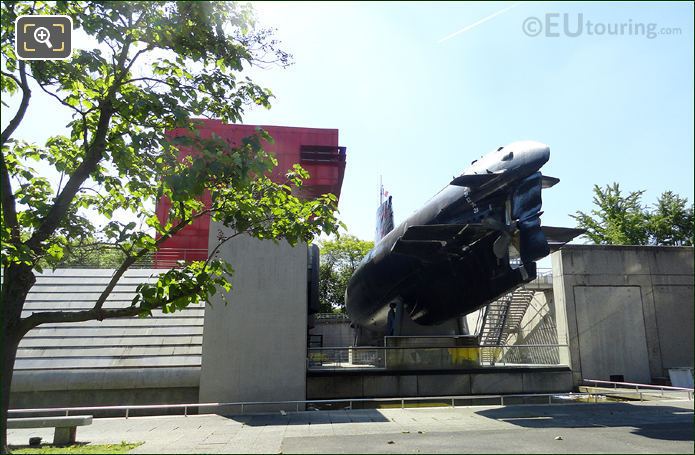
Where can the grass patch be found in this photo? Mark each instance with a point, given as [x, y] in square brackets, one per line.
[123, 447]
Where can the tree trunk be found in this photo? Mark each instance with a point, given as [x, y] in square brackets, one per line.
[17, 281]
[11, 342]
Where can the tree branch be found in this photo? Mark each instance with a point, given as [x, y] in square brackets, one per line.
[60, 100]
[9, 208]
[11, 76]
[23, 105]
[137, 54]
[214, 251]
[45, 317]
[99, 314]
[86, 167]
[60, 183]
[85, 136]
[130, 260]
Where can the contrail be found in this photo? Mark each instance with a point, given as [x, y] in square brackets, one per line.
[481, 21]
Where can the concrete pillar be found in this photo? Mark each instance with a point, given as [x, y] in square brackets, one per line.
[254, 348]
[560, 308]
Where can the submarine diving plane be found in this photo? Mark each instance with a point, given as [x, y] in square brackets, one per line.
[474, 241]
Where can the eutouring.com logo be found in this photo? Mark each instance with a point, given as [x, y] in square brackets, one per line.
[556, 25]
[43, 37]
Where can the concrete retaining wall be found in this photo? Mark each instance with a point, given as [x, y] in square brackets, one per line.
[336, 333]
[489, 381]
[625, 310]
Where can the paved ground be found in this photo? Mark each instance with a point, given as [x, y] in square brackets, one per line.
[649, 427]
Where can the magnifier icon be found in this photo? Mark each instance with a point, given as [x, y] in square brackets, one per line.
[42, 35]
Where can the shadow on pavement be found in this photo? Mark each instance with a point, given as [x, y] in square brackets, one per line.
[653, 421]
[310, 418]
[669, 432]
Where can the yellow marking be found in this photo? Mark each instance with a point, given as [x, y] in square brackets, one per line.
[463, 355]
[62, 47]
[427, 404]
[27, 49]
[62, 27]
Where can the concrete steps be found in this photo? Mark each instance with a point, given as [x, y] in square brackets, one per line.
[153, 342]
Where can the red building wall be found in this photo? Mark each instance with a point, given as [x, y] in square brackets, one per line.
[316, 149]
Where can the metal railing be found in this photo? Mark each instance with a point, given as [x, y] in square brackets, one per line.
[637, 387]
[543, 275]
[331, 316]
[544, 271]
[435, 357]
[450, 400]
[106, 256]
[175, 257]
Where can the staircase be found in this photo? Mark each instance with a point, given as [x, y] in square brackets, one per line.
[501, 318]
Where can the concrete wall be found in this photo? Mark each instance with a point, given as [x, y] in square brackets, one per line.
[335, 332]
[136, 395]
[254, 348]
[486, 381]
[121, 361]
[625, 310]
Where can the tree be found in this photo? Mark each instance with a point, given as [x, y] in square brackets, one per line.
[671, 222]
[623, 220]
[619, 220]
[157, 66]
[339, 259]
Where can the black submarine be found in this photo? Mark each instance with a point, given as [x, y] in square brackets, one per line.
[475, 240]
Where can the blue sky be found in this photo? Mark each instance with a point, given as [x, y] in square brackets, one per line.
[417, 110]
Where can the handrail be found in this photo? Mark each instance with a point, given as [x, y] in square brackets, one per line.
[371, 348]
[243, 404]
[633, 384]
[297, 403]
[331, 316]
